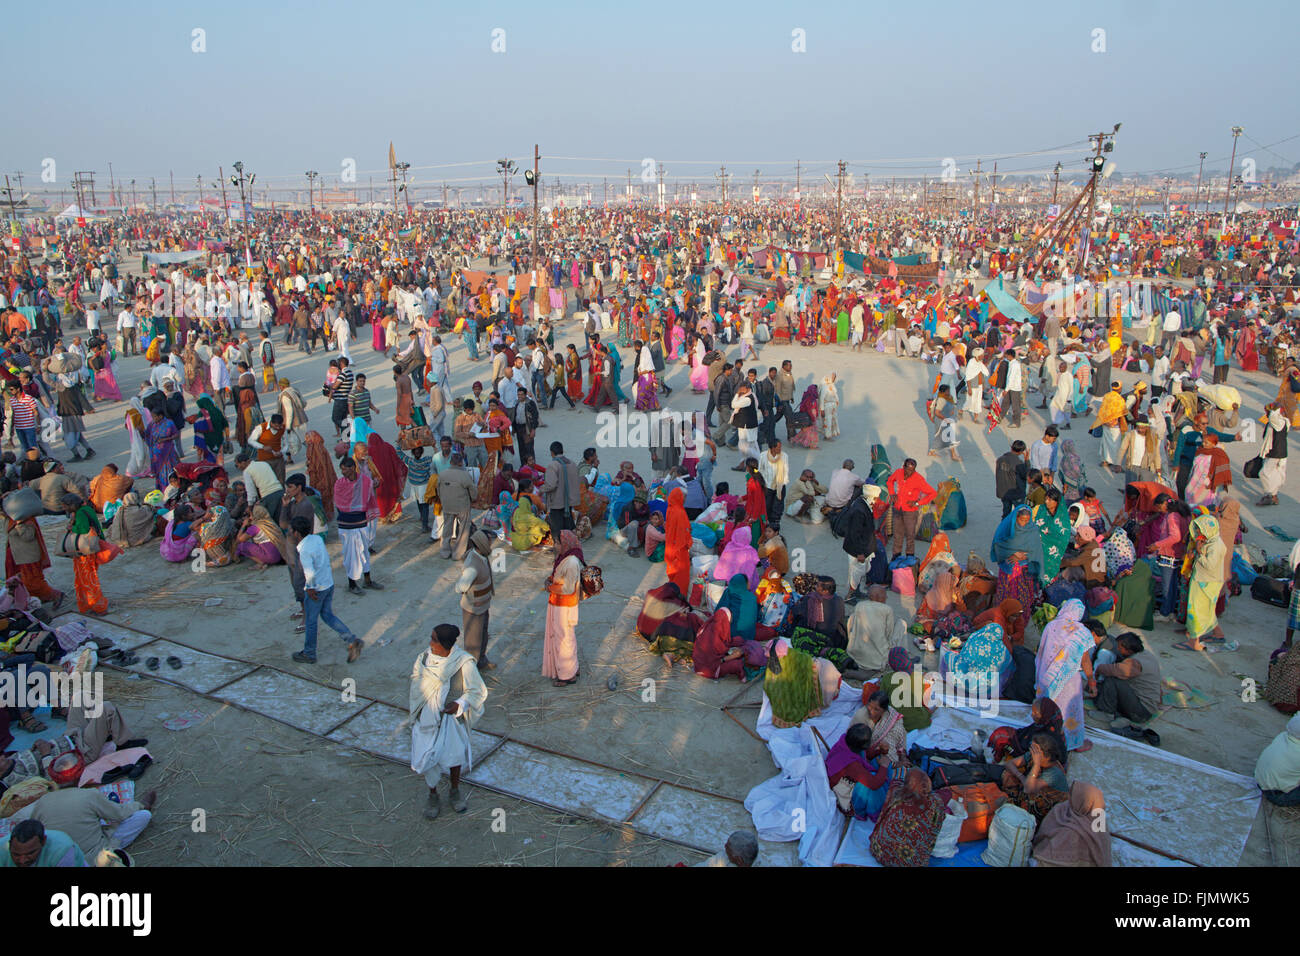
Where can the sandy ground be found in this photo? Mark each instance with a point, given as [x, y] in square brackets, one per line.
[282, 796]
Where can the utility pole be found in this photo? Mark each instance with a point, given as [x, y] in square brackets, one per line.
[839, 209]
[722, 178]
[797, 178]
[756, 172]
[221, 178]
[311, 175]
[402, 168]
[1056, 182]
[606, 202]
[132, 193]
[13, 208]
[629, 185]
[974, 209]
[153, 188]
[537, 164]
[925, 198]
[112, 188]
[1232, 164]
[18, 175]
[1197, 205]
[993, 189]
[505, 167]
[661, 186]
[172, 175]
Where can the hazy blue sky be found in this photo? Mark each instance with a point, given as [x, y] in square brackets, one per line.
[287, 87]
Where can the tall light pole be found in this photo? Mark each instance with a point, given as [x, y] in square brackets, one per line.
[402, 168]
[243, 184]
[1056, 182]
[507, 168]
[1199, 172]
[530, 177]
[312, 176]
[1232, 164]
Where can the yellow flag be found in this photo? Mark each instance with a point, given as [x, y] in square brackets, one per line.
[392, 156]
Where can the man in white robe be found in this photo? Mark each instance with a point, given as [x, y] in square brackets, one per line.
[440, 741]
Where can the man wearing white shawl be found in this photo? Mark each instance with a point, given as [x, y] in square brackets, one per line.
[439, 727]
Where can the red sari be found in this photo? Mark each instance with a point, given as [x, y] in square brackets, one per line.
[392, 477]
[677, 543]
[1247, 351]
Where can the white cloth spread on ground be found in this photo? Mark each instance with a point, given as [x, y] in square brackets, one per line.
[441, 741]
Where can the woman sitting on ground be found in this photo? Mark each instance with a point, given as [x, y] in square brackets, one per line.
[888, 733]
[260, 540]
[1069, 835]
[1012, 743]
[1042, 785]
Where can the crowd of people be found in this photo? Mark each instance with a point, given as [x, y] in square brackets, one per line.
[226, 467]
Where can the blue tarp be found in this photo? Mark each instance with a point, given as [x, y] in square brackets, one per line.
[1006, 303]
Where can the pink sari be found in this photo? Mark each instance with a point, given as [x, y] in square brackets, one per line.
[106, 385]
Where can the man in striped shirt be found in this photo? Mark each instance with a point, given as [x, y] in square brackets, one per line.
[418, 471]
[341, 393]
[360, 404]
[25, 417]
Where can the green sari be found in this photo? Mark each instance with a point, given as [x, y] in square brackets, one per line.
[1054, 529]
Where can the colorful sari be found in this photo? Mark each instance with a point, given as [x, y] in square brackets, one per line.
[161, 437]
[215, 535]
[1064, 642]
[1016, 578]
[320, 471]
[392, 477]
[1054, 529]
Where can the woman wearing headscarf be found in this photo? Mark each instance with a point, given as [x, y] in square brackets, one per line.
[526, 529]
[215, 533]
[1211, 471]
[133, 524]
[903, 683]
[1069, 834]
[738, 557]
[1008, 615]
[677, 541]
[260, 540]
[1111, 419]
[392, 477]
[320, 471]
[82, 520]
[981, 661]
[1204, 561]
[1273, 449]
[1074, 475]
[740, 601]
[809, 406]
[829, 404]
[1017, 550]
[560, 646]
[717, 652]
[162, 436]
[209, 429]
[137, 465]
[1053, 521]
[1011, 743]
[27, 557]
[1062, 651]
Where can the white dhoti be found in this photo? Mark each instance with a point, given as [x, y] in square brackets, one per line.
[356, 550]
[747, 441]
[1110, 441]
[974, 399]
[438, 743]
[417, 491]
[1273, 475]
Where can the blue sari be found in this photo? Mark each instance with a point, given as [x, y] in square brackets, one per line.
[469, 335]
[616, 375]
